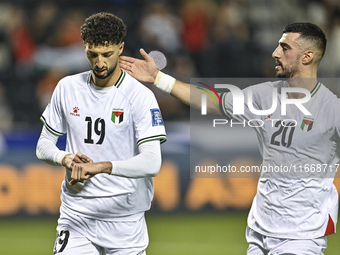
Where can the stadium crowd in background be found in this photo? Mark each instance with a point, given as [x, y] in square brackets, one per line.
[37, 37]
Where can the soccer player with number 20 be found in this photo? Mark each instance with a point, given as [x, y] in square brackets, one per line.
[292, 213]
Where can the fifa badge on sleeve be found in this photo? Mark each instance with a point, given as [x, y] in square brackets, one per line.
[156, 117]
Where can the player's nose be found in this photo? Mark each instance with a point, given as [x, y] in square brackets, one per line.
[275, 53]
[99, 62]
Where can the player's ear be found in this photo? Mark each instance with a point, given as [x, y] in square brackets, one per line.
[307, 57]
[121, 47]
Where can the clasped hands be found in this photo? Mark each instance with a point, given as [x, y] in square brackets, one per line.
[83, 168]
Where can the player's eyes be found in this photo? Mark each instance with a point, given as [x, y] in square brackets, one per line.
[92, 55]
[107, 55]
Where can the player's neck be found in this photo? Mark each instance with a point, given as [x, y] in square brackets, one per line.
[306, 78]
[109, 81]
[305, 83]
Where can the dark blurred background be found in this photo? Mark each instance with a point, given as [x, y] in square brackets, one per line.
[40, 43]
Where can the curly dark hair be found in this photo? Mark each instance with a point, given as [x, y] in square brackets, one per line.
[103, 28]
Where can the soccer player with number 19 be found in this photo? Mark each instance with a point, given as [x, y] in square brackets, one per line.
[292, 213]
[114, 130]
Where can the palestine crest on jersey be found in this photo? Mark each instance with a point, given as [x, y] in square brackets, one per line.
[307, 124]
[117, 115]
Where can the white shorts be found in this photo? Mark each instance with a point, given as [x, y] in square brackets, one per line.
[85, 236]
[264, 245]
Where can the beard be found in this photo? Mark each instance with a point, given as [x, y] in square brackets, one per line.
[106, 75]
[288, 71]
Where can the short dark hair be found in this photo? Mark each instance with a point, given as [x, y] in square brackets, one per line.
[309, 32]
[103, 28]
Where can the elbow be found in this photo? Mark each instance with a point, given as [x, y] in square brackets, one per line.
[154, 173]
[39, 150]
[156, 167]
[38, 154]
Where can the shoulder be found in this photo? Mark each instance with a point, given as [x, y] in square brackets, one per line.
[74, 79]
[326, 99]
[328, 103]
[324, 93]
[132, 88]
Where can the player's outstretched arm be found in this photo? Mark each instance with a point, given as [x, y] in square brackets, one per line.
[146, 71]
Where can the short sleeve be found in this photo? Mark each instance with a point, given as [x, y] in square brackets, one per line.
[148, 121]
[52, 116]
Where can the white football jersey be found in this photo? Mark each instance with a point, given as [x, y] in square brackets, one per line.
[106, 127]
[297, 199]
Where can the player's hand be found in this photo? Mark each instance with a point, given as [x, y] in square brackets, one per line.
[71, 159]
[143, 70]
[84, 171]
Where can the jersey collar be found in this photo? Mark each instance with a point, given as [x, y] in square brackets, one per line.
[118, 83]
[315, 89]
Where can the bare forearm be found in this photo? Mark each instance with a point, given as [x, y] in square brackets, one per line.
[192, 96]
[181, 91]
[105, 167]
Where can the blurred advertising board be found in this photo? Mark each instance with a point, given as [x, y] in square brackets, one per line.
[29, 187]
